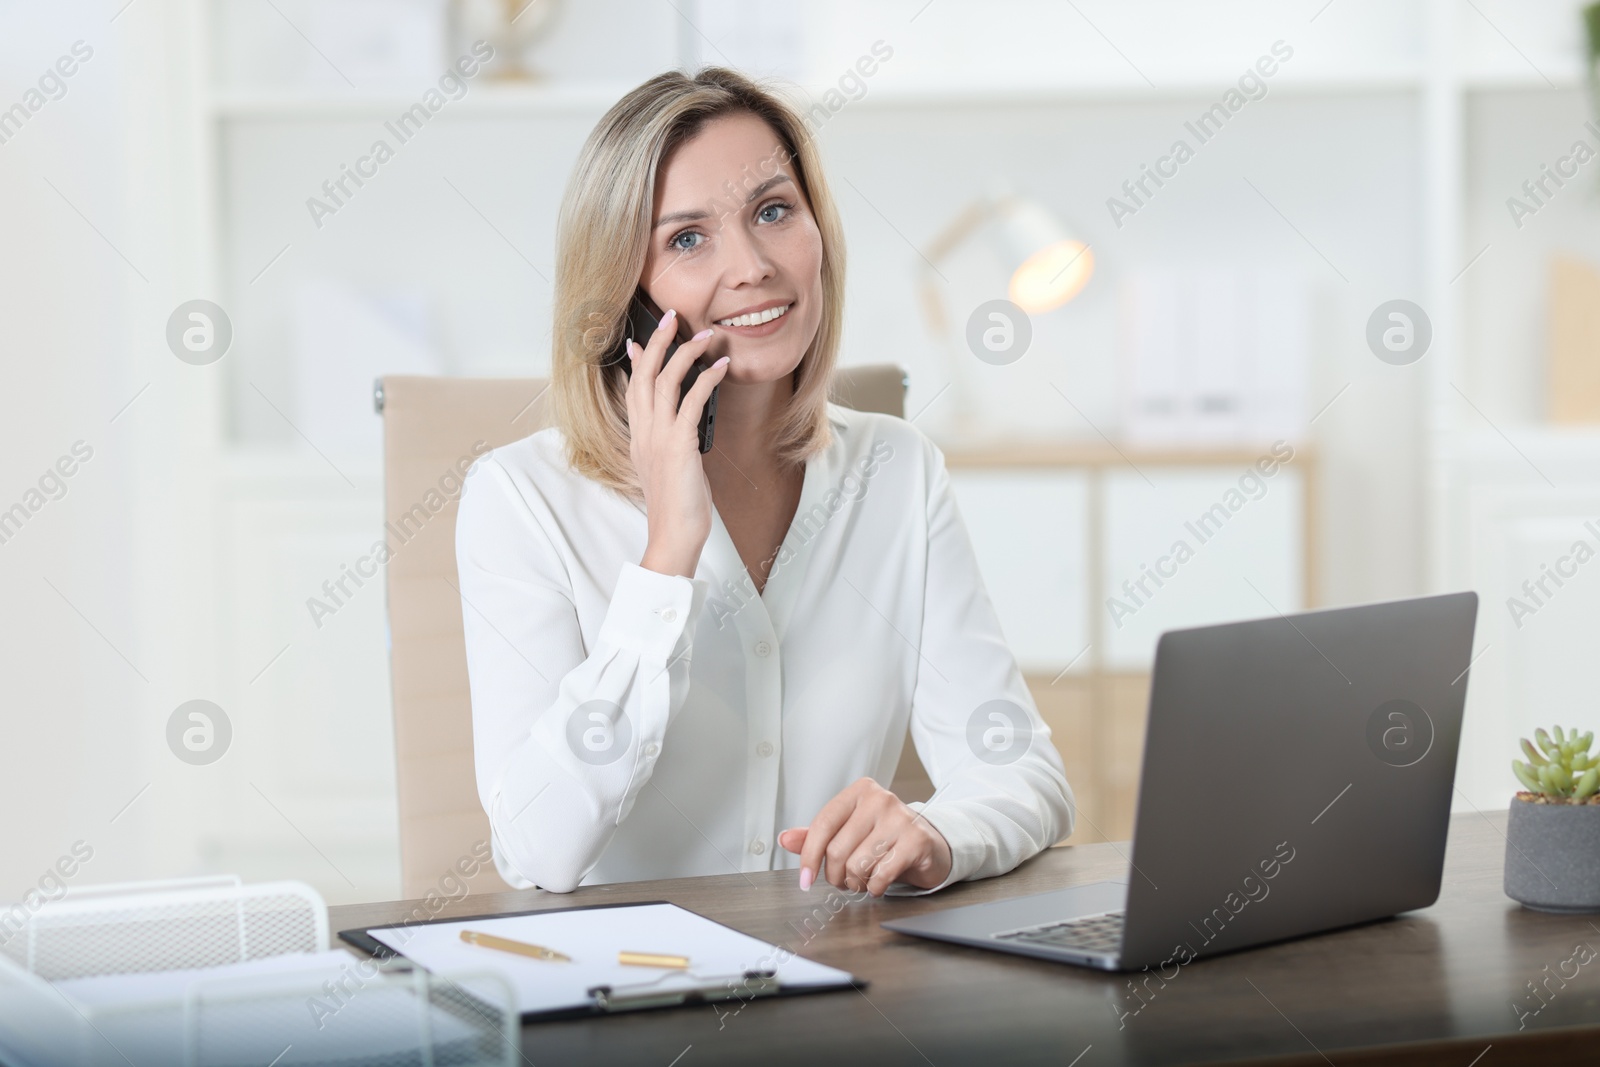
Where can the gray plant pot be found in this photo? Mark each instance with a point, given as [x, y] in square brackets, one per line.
[1553, 856]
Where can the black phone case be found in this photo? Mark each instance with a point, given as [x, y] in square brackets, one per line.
[643, 320]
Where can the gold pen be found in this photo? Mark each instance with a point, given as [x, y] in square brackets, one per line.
[653, 959]
[521, 948]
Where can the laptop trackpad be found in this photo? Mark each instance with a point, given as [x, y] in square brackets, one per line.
[1001, 916]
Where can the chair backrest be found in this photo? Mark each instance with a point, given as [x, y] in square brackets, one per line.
[433, 429]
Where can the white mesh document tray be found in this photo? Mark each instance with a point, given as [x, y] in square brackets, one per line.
[214, 973]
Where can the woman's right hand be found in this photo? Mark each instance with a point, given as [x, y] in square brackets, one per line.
[665, 446]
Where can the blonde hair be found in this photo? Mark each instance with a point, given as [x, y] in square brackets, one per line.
[601, 238]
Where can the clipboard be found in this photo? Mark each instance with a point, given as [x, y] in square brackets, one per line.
[647, 991]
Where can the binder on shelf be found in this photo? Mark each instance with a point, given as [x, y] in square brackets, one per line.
[1213, 356]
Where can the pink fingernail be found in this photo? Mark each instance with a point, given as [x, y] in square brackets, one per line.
[805, 872]
[667, 317]
[719, 362]
[703, 334]
[627, 346]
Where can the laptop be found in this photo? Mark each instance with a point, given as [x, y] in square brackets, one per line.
[1297, 779]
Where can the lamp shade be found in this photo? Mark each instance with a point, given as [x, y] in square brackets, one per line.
[1048, 266]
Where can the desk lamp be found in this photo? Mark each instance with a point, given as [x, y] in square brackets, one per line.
[1047, 266]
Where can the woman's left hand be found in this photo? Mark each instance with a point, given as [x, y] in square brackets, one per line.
[869, 839]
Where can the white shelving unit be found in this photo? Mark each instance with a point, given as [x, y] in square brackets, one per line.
[1503, 485]
[1439, 58]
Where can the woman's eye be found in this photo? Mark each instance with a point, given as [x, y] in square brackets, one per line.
[766, 212]
[678, 240]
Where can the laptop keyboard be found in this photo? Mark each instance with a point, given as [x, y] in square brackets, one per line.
[1098, 933]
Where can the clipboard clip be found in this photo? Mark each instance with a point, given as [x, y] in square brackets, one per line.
[724, 987]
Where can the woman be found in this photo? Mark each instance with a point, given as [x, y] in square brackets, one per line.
[689, 664]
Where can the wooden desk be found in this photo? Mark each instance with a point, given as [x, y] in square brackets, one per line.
[1440, 982]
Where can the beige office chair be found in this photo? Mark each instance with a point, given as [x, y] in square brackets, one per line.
[430, 428]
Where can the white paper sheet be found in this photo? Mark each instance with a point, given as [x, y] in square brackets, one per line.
[718, 956]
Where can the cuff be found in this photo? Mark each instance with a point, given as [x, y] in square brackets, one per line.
[650, 611]
[966, 848]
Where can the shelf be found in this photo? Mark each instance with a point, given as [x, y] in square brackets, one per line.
[518, 101]
[1551, 433]
[480, 100]
[510, 100]
[1535, 438]
[1563, 74]
[1194, 86]
[1086, 453]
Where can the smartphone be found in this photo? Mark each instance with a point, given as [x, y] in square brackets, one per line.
[644, 318]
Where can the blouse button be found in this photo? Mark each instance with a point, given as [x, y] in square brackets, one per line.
[764, 749]
[763, 649]
[758, 846]
[651, 749]
[668, 615]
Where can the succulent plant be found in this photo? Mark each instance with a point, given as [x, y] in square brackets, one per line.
[1561, 767]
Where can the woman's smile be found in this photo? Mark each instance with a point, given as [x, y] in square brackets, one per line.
[763, 320]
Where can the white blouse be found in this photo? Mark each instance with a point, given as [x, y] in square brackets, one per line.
[629, 724]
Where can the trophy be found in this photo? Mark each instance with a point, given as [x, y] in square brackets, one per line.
[512, 27]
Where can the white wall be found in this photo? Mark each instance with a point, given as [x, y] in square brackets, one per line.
[80, 675]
